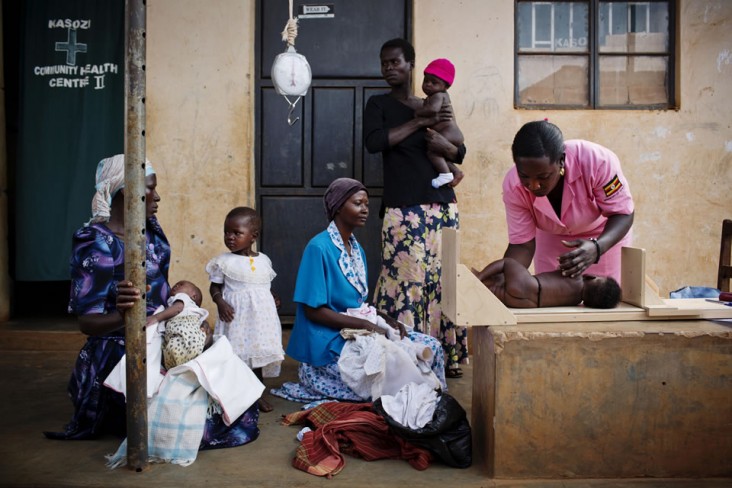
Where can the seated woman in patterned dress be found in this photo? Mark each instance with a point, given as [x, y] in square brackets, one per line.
[99, 296]
[331, 280]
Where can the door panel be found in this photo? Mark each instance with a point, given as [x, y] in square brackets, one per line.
[288, 224]
[295, 164]
[281, 157]
[333, 138]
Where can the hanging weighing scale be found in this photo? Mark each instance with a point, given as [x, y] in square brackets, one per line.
[291, 75]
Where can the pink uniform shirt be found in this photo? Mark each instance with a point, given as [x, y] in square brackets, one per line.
[594, 189]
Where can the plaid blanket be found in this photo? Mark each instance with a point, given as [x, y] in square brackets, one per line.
[176, 419]
[350, 428]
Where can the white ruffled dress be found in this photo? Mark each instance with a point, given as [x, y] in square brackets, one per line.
[255, 333]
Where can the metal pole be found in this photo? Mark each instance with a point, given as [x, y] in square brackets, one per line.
[135, 243]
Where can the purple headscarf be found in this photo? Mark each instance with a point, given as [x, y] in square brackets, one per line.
[338, 193]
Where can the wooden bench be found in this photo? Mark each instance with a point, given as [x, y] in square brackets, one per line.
[641, 390]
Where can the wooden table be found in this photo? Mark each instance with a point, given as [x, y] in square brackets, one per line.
[641, 390]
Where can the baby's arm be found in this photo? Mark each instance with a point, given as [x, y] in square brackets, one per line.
[452, 132]
[226, 311]
[167, 313]
[431, 105]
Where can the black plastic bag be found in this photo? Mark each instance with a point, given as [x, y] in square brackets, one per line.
[447, 435]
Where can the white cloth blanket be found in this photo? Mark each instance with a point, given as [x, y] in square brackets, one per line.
[373, 366]
[413, 406]
[177, 413]
[420, 354]
[117, 378]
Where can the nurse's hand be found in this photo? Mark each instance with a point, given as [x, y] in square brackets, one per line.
[575, 262]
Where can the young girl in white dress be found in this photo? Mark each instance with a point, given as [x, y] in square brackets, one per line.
[247, 309]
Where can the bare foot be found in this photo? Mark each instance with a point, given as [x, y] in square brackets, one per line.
[264, 405]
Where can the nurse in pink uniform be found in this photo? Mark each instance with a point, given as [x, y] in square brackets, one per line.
[568, 204]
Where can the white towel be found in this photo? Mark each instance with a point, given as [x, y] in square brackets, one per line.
[413, 406]
[226, 378]
[117, 378]
[420, 354]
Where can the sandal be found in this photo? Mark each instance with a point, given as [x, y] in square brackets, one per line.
[264, 405]
[454, 373]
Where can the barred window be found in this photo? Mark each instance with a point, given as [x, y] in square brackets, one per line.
[595, 54]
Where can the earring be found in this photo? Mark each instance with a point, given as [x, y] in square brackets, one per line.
[561, 171]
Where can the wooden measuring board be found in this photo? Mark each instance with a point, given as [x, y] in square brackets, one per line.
[641, 291]
[467, 302]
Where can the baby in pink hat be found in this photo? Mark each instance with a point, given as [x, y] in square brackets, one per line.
[438, 77]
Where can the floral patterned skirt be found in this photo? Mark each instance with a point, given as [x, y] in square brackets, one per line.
[408, 287]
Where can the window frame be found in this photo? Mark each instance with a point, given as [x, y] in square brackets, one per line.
[593, 56]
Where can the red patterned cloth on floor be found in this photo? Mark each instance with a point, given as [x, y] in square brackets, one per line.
[349, 428]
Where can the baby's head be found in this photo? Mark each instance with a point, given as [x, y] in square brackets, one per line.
[246, 216]
[189, 289]
[438, 76]
[600, 292]
[241, 229]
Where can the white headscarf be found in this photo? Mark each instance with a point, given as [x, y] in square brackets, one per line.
[109, 180]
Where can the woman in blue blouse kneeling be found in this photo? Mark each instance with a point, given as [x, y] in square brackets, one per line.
[332, 279]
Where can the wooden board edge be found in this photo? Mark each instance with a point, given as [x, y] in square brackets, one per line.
[476, 304]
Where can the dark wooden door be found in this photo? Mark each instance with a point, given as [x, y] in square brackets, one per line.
[295, 164]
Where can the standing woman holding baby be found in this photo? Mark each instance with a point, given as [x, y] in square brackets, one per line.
[415, 212]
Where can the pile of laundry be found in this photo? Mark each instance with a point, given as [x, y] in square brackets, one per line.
[418, 424]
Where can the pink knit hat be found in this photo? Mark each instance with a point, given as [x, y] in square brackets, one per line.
[443, 69]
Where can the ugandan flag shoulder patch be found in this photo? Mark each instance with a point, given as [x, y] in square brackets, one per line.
[612, 187]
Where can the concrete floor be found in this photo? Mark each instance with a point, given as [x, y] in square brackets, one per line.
[36, 358]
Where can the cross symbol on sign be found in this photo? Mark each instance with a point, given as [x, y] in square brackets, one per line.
[71, 47]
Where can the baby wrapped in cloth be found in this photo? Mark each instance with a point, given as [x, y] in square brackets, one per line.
[183, 336]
